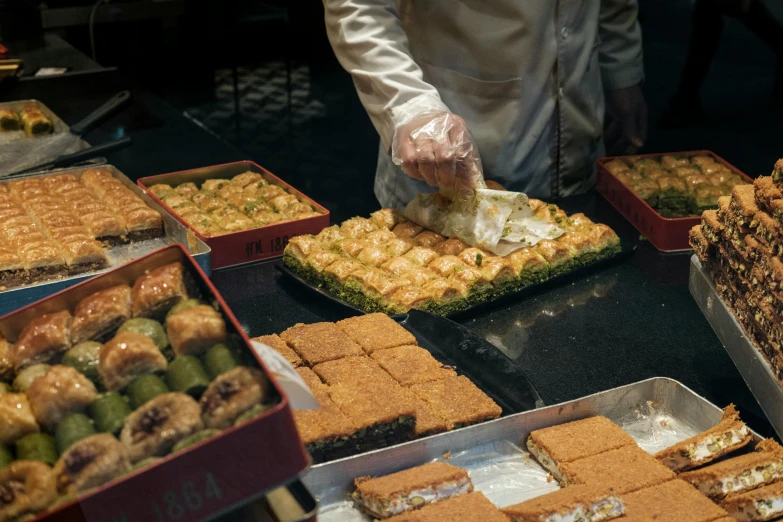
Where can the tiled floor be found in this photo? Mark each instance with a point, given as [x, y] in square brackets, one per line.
[323, 142]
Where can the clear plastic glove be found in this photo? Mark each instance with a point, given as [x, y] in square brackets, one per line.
[437, 147]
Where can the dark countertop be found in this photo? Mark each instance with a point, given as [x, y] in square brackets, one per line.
[624, 323]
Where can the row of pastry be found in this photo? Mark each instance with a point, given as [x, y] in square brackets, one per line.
[133, 374]
[388, 263]
[221, 206]
[54, 225]
[605, 475]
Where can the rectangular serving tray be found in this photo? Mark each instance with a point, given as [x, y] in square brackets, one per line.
[245, 246]
[218, 474]
[175, 232]
[751, 363]
[658, 412]
[666, 234]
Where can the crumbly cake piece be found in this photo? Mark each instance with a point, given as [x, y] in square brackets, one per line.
[277, 344]
[672, 501]
[412, 365]
[320, 342]
[699, 243]
[352, 369]
[766, 191]
[627, 469]
[384, 497]
[743, 204]
[471, 507]
[738, 474]
[376, 332]
[764, 503]
[327, 433]
[711, 226]
[557, 445]
[458, 400]
[730, 434]
[378, 410]
[587, 503]
[427, 421]
[777, 171]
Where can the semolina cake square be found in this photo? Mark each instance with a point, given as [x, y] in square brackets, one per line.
[375, 332]
[471, 507]
[325, 432]
[320, 342]
[353, 369]
[412, 365]
[627, 469]
[427, 421]
[378, 410]
[277, 344]
[764, 503]
[672, 501]
[457, 400]
[575, 440]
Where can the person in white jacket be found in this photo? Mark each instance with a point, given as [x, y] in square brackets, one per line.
[521, 81]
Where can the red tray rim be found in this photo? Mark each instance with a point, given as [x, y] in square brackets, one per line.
[283, 404]
[144, 183]
[605, 159]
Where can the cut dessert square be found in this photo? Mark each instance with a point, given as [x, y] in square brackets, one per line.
[457, 400]
[558, 445]
[729, 435]
[559, 257]
[327, 433]
[376, 332]
[583, 503]
[699, 243]
[410, 489]
[743, 204]
[277, 344]
[412, 365]
[320, 342]
[531, 267]
[379, 412]
[735, 475]
[471, 507]
[672, 501]
[451, 247]
[353, 369]
[427, 421]
[777, 171]
[101, 313]
[764, 503]
[626, 469]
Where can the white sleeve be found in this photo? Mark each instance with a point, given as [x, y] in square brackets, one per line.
[620, 50]
[368, 38]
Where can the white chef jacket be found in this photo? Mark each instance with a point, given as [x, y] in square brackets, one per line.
[526, 75]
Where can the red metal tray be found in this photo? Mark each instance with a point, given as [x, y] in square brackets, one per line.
[666, 234]
[248, 245]
[229, 470]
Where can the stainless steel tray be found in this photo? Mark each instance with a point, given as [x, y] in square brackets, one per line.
[175, 232]
[657, 412]
[750, 362]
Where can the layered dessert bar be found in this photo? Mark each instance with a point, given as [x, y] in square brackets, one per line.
[471, 507]
[582, 503]
[729, 435]
[672, 501]
[764, 503]
[457, 400]
[413, 488]
[557, 445]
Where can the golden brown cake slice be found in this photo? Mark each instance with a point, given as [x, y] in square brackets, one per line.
[557, 445]
[728, 435]
[101, 313]
[320, 342]
[384, 497]
[672, 501]
[412, 365]
[376, 332]
[352, 369]
[41, 339]
[577, 503]
[458, 400]
[626, 469]
[276, 343]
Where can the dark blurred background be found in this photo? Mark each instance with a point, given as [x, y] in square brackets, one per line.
[262, 76]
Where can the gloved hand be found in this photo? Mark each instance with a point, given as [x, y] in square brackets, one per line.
[626, 123]
[436, 146]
